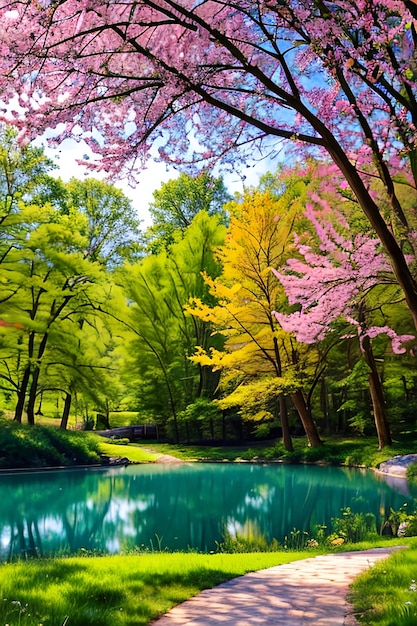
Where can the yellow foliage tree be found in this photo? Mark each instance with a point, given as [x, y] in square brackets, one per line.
[260, 362]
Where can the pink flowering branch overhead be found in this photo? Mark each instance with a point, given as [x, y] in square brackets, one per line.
[203, 82]
[333, 283]
[247, 69]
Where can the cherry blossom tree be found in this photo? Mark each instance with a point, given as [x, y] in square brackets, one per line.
[198, 80]
[333, 283]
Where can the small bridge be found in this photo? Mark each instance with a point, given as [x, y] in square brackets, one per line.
[133, 433]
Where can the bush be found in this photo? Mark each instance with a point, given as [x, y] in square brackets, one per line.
[298, 540]
[412, 471]
[124, 441]
[23, 446]
[354, 527]
[402, 522]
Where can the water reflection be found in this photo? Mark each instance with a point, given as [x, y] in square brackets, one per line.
[178, 507]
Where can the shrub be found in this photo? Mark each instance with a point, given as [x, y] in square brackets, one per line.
[23, 446]
[297, 540]
[354, 527]
[124, 441]
[412, 471]
[402, 522]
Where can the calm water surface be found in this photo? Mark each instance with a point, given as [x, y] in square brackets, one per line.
[180, 506]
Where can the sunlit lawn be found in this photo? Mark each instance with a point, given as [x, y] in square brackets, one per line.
[386, 595]
[118, 590]
[336, 450]
[133, 590]
[135, 454]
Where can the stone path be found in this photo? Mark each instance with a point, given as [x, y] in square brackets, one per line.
[311, 592]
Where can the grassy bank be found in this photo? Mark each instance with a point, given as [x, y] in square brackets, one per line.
[23, 446]
[133, 590]
[336, 450]
[386, 595]
[117, 590]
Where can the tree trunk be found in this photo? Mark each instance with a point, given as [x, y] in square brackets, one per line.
[306, 419]
[32, 396]
[21, 396]
[377, 397]
[35, 378]
[66, 411]
[392, 247]
[39, 411]
[285, 425]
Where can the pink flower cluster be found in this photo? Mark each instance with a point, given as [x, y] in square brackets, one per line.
[333, 283]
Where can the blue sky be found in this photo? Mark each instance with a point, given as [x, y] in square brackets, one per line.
[156, 173]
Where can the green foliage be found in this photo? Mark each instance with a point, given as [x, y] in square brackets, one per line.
[402, 522]
[354, 527]
[117, 590]
[201, 419]
[412, 471]
[40, 446]
[118, 419]
[162, 335]
[119, 442]
[176, 204]
[386, 594]
[240, 543]
[296, 539]
[112, 224]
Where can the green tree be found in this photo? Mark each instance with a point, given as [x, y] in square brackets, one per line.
[56, 243]
[163, 335]
[176, 204]
[112, 227]
[53, 282]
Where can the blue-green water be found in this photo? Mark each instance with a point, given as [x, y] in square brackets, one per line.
[178, 507]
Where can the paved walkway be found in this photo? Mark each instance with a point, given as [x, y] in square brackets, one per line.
[311, 592]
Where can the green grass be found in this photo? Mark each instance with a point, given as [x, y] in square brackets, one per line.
[132, 452]
[133, 590]
[336, 450]
[118, 590]
[23, 446]
[386, 595]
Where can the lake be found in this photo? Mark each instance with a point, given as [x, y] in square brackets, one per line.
[179, 507]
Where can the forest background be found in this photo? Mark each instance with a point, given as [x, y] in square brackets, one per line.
[267, 314]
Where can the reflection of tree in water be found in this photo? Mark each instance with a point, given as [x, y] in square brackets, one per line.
[177, 507]
[25, 540]
[44, 514]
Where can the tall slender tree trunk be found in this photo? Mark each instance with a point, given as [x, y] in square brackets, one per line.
[400, 267]
[66, 411]
[35, 377]
[324, 405]
[39, 411]
[283, 409]
[306, 419]
[32, 396]
[21, 396]
[377, 397]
